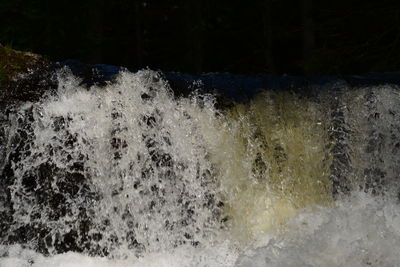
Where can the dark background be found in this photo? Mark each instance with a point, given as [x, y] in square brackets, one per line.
[254, 36]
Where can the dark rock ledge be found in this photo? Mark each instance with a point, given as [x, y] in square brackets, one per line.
[26, 76]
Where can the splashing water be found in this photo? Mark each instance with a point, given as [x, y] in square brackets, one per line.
[130, 175]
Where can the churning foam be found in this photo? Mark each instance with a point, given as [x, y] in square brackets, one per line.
[360, 230]
[131, 172]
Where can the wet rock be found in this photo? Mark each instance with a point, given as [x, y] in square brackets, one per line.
[24, 76]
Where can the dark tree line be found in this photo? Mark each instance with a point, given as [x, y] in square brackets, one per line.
[273, 36]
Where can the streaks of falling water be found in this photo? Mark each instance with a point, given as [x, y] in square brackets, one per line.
[130, 170]
[117, 167]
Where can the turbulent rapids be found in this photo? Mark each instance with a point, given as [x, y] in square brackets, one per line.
[131, 174]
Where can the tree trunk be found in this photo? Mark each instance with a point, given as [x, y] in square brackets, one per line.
[138, 34]
[308, 34]
[268, 37]
[96, 31]
[195, 34]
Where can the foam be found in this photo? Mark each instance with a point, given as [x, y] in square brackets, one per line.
[360, 230]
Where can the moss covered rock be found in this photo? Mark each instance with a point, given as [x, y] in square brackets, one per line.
[23, 75]
[13, 62]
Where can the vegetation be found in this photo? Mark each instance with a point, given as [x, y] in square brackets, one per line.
[285, 36]
[14, 62]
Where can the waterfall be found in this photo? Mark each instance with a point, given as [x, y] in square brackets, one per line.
[129, 173]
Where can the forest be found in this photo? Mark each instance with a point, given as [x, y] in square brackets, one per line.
[296, 37]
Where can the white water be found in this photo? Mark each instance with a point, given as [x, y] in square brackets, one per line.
[359, 231]
[176, 182]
